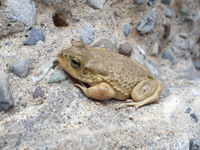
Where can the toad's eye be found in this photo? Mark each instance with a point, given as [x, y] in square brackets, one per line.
[75, 63]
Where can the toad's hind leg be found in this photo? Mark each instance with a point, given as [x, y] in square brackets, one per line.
[145, 92]
[100, 91]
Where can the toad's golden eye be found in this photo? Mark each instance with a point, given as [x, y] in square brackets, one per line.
[75, 63]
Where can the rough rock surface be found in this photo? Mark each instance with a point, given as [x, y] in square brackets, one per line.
[21, 10]
[61, 117]
[6, 101]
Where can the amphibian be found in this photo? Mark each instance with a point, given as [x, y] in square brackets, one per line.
[110, 75]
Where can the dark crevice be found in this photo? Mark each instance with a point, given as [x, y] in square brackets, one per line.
[59, 20]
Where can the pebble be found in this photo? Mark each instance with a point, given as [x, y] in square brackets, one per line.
[21, 10]
[98, 4]
[188, 110]
[147, 24]
[138, 2]
[193, 115]
[87, 33]
[125, 49]
[6, 101]
[169, 13]
[168, 55]
[194, 144]
[20, 68]
[34, 36]
[155, 49]
[39, 92]
[126, 29]
[166, 1]
[58, 75]
[105, 43]
[150, 2]
[184, 35]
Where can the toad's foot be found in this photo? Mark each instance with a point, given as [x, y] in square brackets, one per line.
[129, 103]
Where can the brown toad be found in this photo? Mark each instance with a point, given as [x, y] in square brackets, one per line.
[110, 75]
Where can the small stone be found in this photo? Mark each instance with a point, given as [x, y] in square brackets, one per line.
[98, 4]
[39, 92]
[138, 2]
[147, 24]
[105, 43]
[126, 29]
[21, 10]
[34, 36]
[194, 117]
[150, 2]
[168, 55]
[125, 49]
[87, 33]
[188, 110]
[6, 101]
[20, 68]
[166, 1]
[155, 49]
[183, 35]
[169, 13]
[194, 144]
[57, 75]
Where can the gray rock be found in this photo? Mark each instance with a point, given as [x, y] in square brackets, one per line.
[188, 110]
[166, 1]
[169, 13]
[21, 10]
[138, 2]
[39, 92]
[7, 26]
[150, 2]
[126, 29]
[34, 36]
[87, 33]
[105, 43]
[168, 55]
[193, 115]
[6, 101]
[96, 3]
[20, 67]
[194, 144]
[146, 25]
[125, 49]
[196, 62]
[57, 75]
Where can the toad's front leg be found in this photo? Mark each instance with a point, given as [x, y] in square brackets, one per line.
[100, 91]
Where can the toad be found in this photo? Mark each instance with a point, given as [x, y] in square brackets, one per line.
[110, 75]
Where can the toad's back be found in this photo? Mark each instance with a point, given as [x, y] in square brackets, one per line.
[119, 71]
